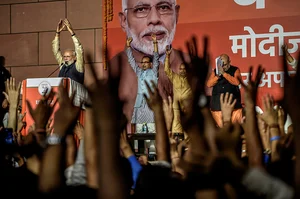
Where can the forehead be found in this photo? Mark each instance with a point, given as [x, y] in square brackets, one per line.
[146, 58]
[132, 3]
[68, 53]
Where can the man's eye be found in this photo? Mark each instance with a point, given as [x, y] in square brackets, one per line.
[141, 9]
[164, 7]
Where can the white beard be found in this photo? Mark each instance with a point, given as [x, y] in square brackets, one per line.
[146, 46]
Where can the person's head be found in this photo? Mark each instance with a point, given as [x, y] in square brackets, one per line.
[2, 61]
[146, 62]
[182, 70]
[142, 18]
[69, 56]
[226, 61]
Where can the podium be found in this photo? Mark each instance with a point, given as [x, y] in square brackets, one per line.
[33, 89]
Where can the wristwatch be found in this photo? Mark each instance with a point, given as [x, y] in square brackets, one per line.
[54, 139]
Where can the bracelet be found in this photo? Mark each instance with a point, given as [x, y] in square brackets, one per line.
[155, 42]
[275, 138]
[73, 35]
[57, 32]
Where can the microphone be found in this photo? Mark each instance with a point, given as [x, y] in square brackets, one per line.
[63, 63]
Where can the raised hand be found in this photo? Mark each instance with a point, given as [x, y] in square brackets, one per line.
[128, 41]
[60, 26]
[168, 50]
[68, 25]
[153, 36]
[251, 88]
[227, 106]
[154, 99]
[66, 116]
[270, 115]
[43, 111]
[13, 91]
[168, 112]
[291, 90]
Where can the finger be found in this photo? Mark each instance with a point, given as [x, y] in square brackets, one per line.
[230, 98]
[222, 98]
[250, 73]
[49, 122]
[10, 83]
[148, 88]
[72, 97]
[205, 48]
[233, 103]
[165, 102]
[31, 112]
[170, 100]
[226, 97]
[242, 82]
[147, 99]
[195, 45]
[271, 101]
[63, 93]
[259, 75]
[154, 87]
[7, 85]
[54, 104]
[285, 67]
[188, 47]
[265, 103]
[19, 87]
[13, 83]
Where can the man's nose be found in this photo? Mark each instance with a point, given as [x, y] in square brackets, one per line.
[154, 17]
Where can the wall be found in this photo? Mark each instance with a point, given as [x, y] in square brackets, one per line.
[28, 28]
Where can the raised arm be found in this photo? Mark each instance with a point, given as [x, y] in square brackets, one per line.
[78, 48]
[168, 69]
[155, 54]
[56, 43]
[130, 57]
[289, 58]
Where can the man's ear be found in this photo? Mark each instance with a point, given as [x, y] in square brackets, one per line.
[177, 8]
[122, 19]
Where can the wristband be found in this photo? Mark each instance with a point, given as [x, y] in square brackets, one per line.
[275, 138]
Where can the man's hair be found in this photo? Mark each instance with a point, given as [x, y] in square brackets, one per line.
[149, 57]
[225, 55]
[71, 50]
[125, 2]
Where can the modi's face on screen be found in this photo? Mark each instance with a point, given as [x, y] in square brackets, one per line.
[142, 18]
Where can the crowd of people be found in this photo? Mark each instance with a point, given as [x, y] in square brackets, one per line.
[229, 150]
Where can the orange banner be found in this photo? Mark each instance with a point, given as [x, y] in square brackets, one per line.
[251, 32]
